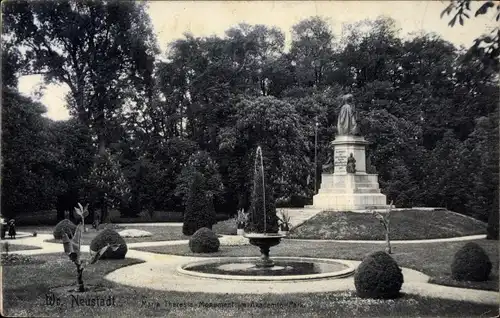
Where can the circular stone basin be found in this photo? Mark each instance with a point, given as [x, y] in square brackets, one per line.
[285, 268]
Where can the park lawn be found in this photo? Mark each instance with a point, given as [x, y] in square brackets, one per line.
[405, 225]
[226, 227]
[18, 247]
[433, 259]
[26, 287]
[159, 233]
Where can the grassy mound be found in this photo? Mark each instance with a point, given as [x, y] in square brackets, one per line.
[411, 224]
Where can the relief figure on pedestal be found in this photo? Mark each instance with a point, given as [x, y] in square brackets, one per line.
[351, 164]
[329, 165]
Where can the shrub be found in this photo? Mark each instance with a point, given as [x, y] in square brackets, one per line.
[492, 229]
[227, 227]
[204, 241]
[200, 210]
[471, 263]
[111, 237]
[65, 226]
[378, 276]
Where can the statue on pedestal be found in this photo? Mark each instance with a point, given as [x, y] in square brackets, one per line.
[346, 123]
[351, 164]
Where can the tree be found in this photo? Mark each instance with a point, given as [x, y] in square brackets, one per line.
[106, 183]
[483, 166]
[102, 50]
[200, 163]
[312, 50]
[200, 210]
[276, 126]
[485, 46]
[29, 158]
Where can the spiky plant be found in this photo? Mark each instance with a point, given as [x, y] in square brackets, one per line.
[385, 220]
[72, 249]
[82, 212]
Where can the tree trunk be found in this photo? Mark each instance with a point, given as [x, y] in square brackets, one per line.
[102, 146]
[388, 241]
[104, 209]
[81, 287]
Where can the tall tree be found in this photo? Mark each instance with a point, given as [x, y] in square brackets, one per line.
[312, 50]
[102, 50]
[29, 158]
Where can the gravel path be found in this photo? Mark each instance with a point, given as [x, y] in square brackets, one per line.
[159, 272]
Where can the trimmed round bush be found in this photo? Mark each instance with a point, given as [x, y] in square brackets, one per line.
[204, 241]
[65, 226]
[378, 276]
[471, 263]
[111, 237]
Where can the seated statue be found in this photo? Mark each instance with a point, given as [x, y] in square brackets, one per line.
[351, 164]
[328, 166]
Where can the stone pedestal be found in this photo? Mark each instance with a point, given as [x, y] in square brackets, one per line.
[342, 191]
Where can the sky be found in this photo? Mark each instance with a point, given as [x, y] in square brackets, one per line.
[171, 19]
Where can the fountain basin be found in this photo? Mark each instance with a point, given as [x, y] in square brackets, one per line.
[284, 269]
[264, 241]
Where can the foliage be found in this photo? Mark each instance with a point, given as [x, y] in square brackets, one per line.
[72, 249]
[108, 186]
[378, 276]
[29, 157]
[103, 51]
[241, 219]
[485, 46]
[429, 109]
[471, 263]
[200, 210]
[200, 163]
[285, 155]
[109, 237]
[64, 227]
[81, 213]
[204, 241]
[284, 220]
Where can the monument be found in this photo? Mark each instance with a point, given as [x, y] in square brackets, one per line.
[348, 186]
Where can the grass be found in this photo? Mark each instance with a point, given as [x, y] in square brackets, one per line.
[49, 217]
[159, 233]
[226, 227]
[18, 247]
[25, 289]
[405, 225]
[433, 259]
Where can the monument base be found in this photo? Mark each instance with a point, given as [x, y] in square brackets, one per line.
[344, 192]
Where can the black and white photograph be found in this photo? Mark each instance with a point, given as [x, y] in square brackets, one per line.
[250, 158]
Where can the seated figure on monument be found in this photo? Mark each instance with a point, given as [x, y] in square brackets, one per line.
[328, 166]
[346, 123]
[351, 164]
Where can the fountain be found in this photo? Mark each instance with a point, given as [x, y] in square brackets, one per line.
[264, 240]
[262, 232]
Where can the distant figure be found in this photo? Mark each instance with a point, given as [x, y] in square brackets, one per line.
[12, 229]
[346, 123]
[351, 164]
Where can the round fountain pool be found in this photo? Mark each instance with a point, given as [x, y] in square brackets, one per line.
[285, 268]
